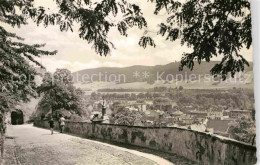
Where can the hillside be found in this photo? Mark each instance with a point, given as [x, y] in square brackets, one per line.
[144, 77]
[139, 73]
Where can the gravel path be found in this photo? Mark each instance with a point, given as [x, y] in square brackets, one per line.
[28, 145]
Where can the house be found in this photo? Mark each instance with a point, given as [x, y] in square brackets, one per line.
[177, 113]
[139, 106]
[128, 108]
[218, 126]
[187, 108]
[226, 113]
[215, 115]
[198, 114]
[119, 106]
[164, 106]
[239, 113]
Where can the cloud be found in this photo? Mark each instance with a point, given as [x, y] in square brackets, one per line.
[52, 64]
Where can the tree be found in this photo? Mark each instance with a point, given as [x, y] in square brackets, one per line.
[243, 129]
[59, 93]
[17, 60]
[7, 101]
[125, 117]
[133, 96]
[16, 70]
[210, 28]
[161, 101]
[94, 95]
[148, 95]
[141, 95]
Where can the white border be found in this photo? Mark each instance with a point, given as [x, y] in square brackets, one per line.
[255, 9]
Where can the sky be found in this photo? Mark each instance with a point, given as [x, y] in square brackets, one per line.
[76, 54]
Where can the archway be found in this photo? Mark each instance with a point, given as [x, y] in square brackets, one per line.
[17, 117]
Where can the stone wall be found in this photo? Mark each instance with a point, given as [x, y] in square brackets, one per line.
[198, 146]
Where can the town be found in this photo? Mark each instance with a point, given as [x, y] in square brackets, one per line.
[127, 82]
[211, 111]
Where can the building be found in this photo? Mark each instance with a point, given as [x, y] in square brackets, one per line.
[139, 106]
[187, 108]
[164, 106]
[177, 113]
[219, 127]
[198, 114]
[215, 115]
[239, 113]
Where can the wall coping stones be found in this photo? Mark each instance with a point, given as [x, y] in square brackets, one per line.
[219, 137]
[203, 147]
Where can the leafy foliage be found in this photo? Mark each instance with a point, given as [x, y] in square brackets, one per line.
[211, 28]
[161, 101]
[145, 40]
[125, 117]
[59, 93]
[243, 129]
[6, 102]
[17, 60]
[93, 20]
[197, 98]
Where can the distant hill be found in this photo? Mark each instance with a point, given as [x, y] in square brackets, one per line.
[141, 73]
